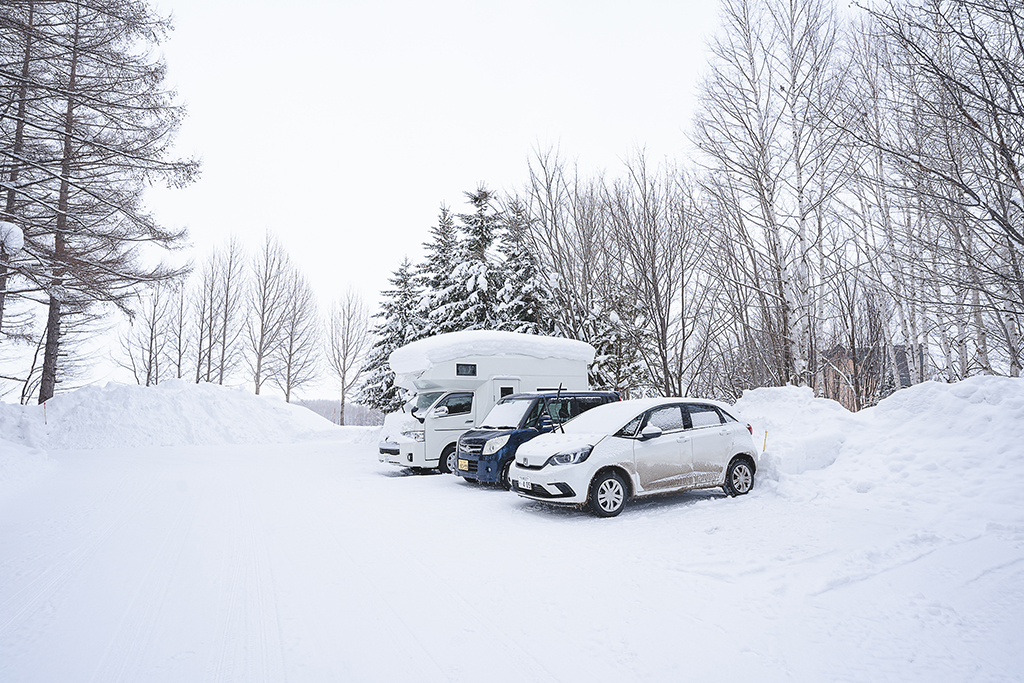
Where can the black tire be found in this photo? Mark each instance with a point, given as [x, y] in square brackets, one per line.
[739, 477]
[503, 476]
[449, 460]
[608, 493]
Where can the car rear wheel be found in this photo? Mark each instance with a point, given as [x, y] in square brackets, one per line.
[739, 478]
[449, 461]
[607, 494]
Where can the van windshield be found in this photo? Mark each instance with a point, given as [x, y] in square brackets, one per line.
[424, 401]
[507, 414]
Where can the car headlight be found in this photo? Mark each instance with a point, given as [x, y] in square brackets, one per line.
[494, 445]
[416, 435]
[576, 455]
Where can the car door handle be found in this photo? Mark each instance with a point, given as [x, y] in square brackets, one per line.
[723, 432]
[682, 439]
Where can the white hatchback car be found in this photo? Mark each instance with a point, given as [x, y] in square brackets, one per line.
[614, 452]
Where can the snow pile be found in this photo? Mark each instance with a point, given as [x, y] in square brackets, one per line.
[801, 432]
[173, 413]
[935, 440]
[424, 354]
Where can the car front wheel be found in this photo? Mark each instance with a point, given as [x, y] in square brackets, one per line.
[449, 461]
[739, 478]
[607, 494]
[503, 477]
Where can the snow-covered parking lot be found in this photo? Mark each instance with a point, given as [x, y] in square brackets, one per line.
[882, 546]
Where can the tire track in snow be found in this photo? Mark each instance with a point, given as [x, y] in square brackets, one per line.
[20, 607]
[250, 601]
[125, 656]
[514, 655]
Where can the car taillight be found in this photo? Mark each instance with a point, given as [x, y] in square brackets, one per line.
[750, 429]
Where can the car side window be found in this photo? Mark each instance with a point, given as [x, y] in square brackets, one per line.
[458, 404]
[668, 418]
[703, 416]
[630, 430]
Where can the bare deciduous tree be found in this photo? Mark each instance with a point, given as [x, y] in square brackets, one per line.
[348, 341]
[296, 358]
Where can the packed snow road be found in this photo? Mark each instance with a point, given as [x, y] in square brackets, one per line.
[314, 562]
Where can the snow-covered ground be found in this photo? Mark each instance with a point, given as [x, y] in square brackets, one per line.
[190, 533]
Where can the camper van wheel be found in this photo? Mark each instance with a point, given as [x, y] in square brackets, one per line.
[449, 460]
[503, 478]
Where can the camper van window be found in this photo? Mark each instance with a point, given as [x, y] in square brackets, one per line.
[424, 401]
[458, 404]
[465, 369]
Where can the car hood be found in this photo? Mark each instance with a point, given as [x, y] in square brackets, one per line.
[548, 444]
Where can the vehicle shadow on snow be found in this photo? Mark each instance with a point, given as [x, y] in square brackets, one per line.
[665, 502]
[409, 472]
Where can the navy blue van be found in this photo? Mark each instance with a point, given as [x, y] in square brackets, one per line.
[485, 453]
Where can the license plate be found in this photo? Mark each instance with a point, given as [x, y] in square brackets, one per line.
[525, 484]
[464, 465]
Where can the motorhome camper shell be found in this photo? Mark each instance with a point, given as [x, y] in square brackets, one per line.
[470, 371]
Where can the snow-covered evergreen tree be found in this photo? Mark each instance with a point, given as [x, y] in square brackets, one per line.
[398, 325]
[440, 291]
[479, 272]
[524, 300]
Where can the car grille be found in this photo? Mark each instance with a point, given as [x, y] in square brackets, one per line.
[471, 447]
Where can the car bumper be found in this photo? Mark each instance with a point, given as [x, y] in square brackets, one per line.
[568, 484]
[404, 452]
[479, 468]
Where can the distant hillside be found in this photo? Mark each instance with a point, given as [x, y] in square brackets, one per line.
[355, 415]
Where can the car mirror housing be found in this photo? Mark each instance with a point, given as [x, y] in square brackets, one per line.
[440, 411]
[650, 432]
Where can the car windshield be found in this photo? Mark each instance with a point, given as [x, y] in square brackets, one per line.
[507, 414]
[606, 419]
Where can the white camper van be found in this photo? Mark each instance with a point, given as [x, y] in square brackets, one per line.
[457, 378]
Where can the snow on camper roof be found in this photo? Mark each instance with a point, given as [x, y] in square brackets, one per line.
[422, 355]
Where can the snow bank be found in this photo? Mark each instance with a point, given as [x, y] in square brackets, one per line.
[422, 355]
[174, 413]
[798, 431]
[963, 440]
[944, 444]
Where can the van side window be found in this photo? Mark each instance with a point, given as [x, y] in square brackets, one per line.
[703, 416]
[458, 404]
[465, 369]
[588, 402]
[558, 409]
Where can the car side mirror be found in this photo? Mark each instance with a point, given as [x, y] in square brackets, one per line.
[650, 432]
[440, 411]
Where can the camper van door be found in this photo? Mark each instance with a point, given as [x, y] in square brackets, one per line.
[502, 387]
[453, 413]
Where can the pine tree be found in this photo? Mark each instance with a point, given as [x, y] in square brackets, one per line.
[398, 326]
[435, 278]
[524, 299]
[478, 273]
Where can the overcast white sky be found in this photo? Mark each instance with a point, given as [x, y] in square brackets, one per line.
[343, 126]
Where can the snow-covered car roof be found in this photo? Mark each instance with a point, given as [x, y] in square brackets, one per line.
[611, 417]
[424, 354]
